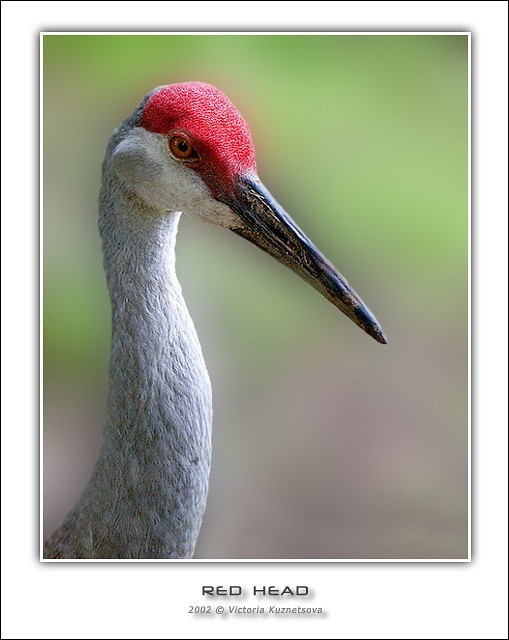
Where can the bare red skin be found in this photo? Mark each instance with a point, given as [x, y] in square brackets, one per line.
[214, 127]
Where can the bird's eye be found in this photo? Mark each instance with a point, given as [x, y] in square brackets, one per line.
[181, 148]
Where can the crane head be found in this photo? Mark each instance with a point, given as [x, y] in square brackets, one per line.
[188, 149]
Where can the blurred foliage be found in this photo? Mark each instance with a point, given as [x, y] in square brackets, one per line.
[364, 141]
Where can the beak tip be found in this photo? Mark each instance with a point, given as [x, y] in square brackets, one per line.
[367, 321]
[375, 331]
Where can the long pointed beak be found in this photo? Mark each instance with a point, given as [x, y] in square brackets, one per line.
[267, 225]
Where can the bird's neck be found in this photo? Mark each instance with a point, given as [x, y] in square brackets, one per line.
[147, 494]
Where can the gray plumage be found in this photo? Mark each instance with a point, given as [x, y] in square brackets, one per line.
[146, 497]
[147, 494]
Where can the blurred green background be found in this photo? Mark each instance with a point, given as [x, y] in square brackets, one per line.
[325, 443]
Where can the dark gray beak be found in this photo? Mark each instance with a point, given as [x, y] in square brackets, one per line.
[267, 225]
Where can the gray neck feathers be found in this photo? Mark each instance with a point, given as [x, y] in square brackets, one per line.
[146, 496]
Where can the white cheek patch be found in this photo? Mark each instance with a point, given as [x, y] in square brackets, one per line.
[139, 161]
[144, 163]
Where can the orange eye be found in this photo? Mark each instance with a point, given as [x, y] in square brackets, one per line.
[181, 148]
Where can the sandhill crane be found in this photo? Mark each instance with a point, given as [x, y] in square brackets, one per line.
[184, 149]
